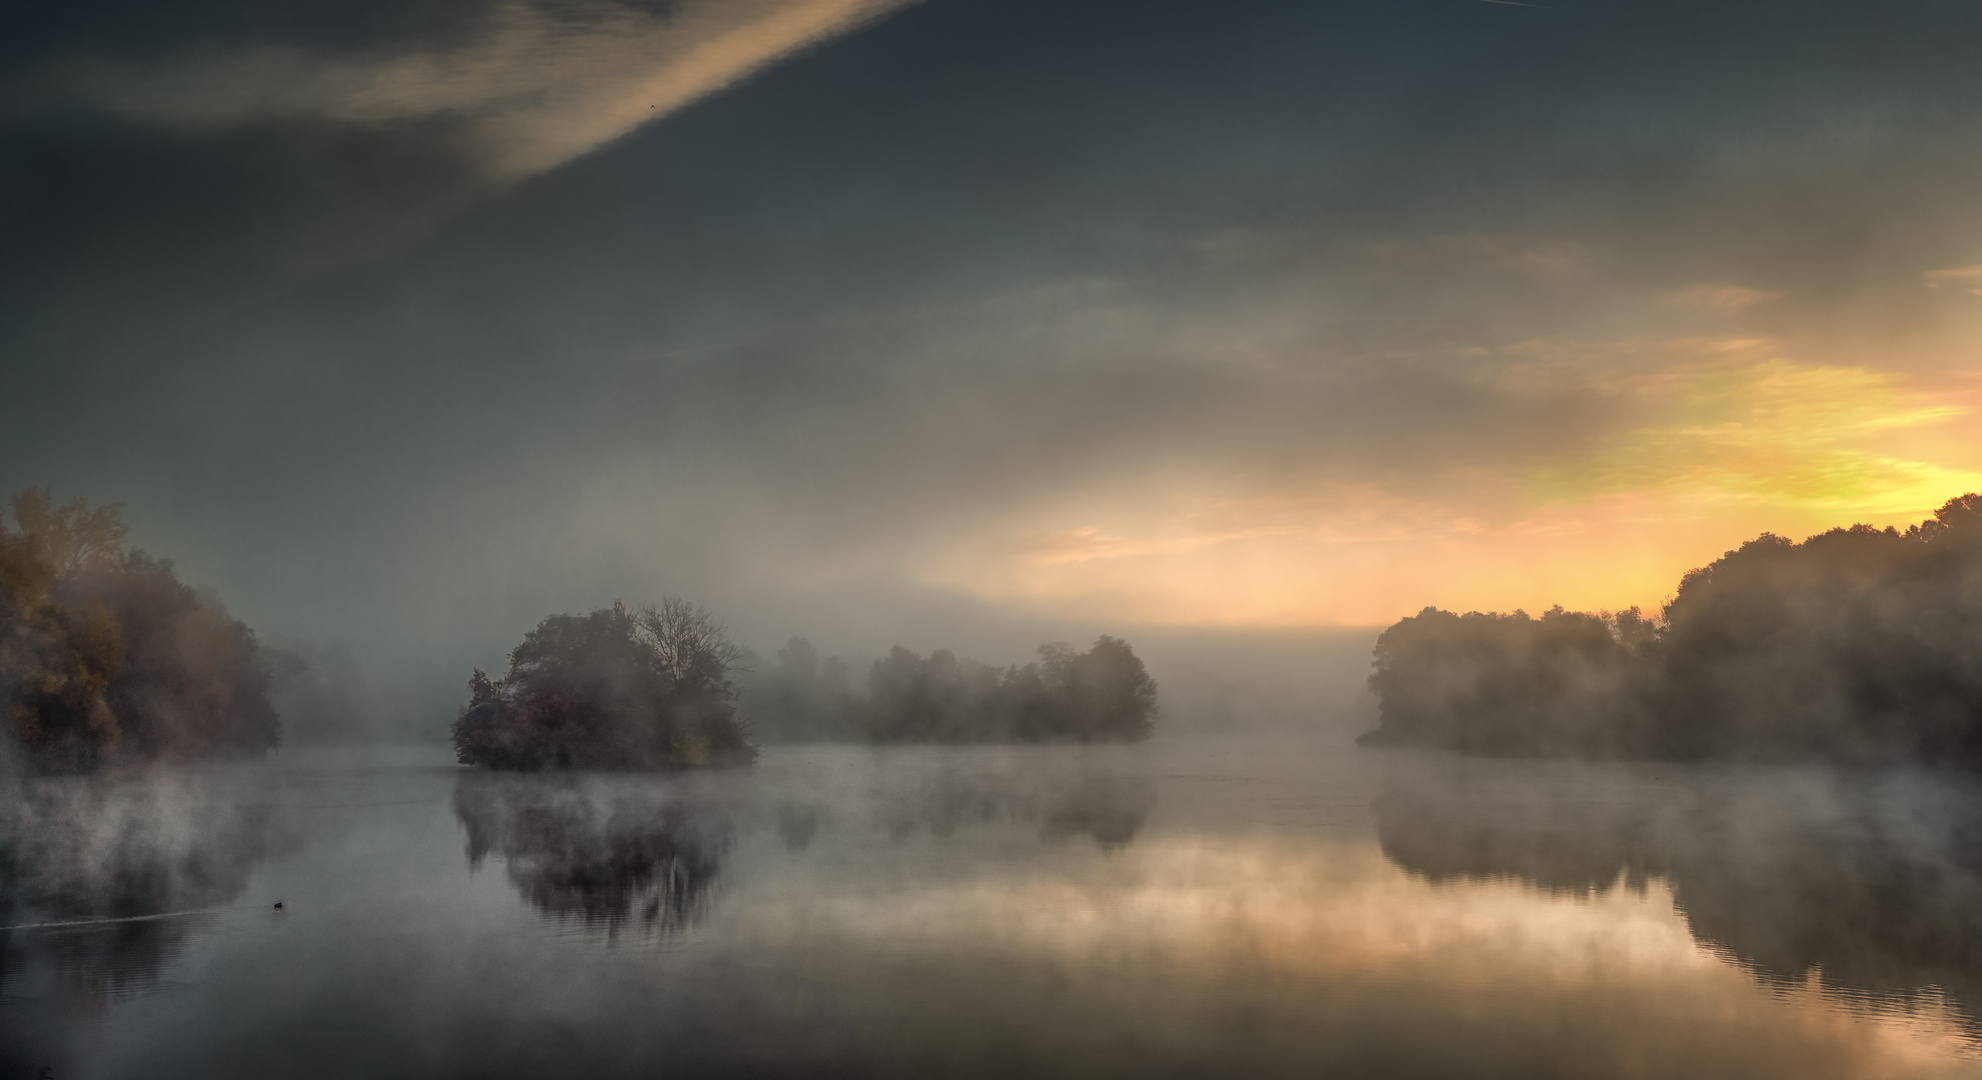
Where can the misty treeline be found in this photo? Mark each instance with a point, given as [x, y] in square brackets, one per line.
[105, 655]
[615, 689]
[1101, 695]
[1858, 645]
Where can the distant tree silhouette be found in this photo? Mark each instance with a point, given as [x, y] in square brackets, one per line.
[800, 697]
[1857, 644]
[322, 693]
[1101, 695]
[1565, 683]
[615, 689]
[105, 654]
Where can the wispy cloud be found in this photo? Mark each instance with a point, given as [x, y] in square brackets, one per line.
[533, 86]
[1724, 297]
[1961, 276]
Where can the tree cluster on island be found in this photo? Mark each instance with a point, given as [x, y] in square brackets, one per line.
[1859, 645]
[615, 689]
[1101, 695]
[106, 656]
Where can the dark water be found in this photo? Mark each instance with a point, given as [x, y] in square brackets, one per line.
[1256, 909]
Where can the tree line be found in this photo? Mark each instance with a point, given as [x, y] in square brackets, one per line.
[1857, 645]
[1101, 695]
[106, 656]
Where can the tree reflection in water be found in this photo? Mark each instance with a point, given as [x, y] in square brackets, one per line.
[1869, 884]
[1108, 809]
[603, 851]
[612, 850]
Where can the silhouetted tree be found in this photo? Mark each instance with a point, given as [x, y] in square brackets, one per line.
[615, 689]
[105, 653]
[322, 693]
[1566, 683]
[1860, 644]
[799, 696]
[1857, 644]
[1101, 695]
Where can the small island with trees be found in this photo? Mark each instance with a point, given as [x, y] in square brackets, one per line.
[659, 689]
[1858, 645]
[615, 689]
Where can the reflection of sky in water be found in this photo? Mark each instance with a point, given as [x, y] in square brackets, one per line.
[1153, 910]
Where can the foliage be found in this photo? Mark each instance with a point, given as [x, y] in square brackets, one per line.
[800, 696]
[1566, 683]
[615, 689]
[105, 654]
[1102, 695]
[1858, 644]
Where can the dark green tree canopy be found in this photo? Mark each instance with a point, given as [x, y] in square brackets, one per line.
[615, 689]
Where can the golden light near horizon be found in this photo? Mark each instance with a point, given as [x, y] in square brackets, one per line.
[1735, 440]
[1356, 935]
[888, 538]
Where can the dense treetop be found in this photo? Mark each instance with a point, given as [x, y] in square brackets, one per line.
[615, 689]
[106, 655]
[1857, 644]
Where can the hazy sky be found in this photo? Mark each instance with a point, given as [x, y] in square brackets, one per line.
[409, 322]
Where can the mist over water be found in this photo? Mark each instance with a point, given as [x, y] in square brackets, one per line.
[746, 428]
[1267, 905]
[1866, 886]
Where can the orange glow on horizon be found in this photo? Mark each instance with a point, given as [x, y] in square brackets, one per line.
[1734, 446]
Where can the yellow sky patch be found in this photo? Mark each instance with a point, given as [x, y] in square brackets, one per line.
[1727, 448]
[1773, 433]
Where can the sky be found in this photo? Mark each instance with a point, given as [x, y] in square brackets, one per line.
[407, 323]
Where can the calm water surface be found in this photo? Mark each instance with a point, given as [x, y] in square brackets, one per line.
[1260, 908]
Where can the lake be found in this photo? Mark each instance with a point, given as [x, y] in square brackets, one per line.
[1181, 908]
